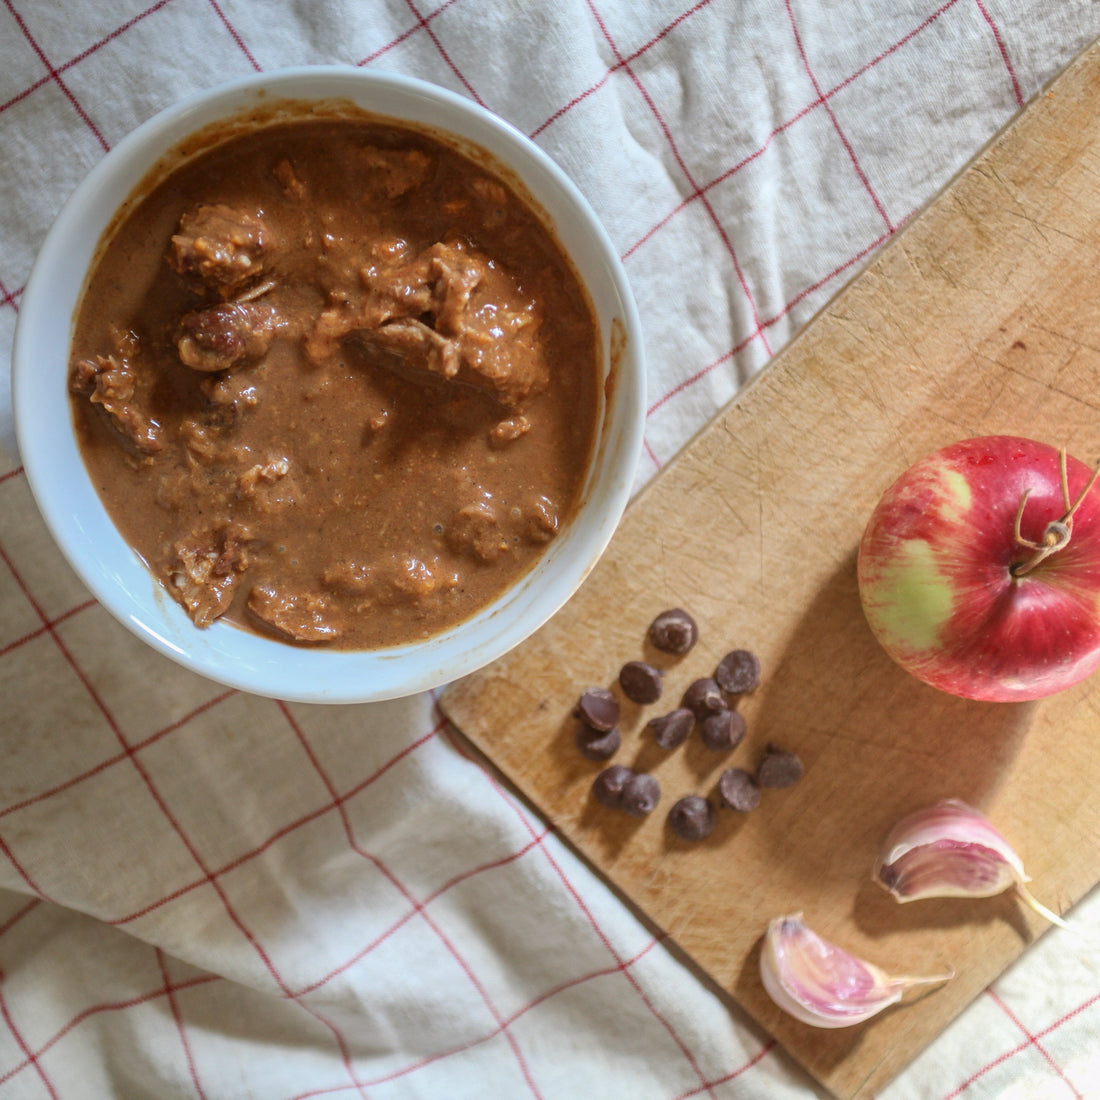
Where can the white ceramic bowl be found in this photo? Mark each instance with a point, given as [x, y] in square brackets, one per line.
[117, 577]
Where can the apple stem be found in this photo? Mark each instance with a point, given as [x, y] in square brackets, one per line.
[1057, 533]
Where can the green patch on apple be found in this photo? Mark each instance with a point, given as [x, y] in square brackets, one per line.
[912, 600]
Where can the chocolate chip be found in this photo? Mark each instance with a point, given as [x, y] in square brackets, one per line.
[597, 707]
[640, 796]
[597, 744]
[778, 768]
[608, 785]
[692, 818]
[722, 731]
[671, 730]
[704, 697]
[673, 631]
[641, 683]
[738, 790]
[738, 672]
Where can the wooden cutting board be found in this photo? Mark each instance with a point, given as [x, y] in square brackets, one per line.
[982, 317]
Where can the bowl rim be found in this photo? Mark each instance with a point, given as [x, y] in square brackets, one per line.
[254, 663]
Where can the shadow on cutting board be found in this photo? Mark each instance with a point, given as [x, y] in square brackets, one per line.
[876, 744]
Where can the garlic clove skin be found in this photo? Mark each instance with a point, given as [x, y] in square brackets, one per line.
[951, 850]
[822, 985]
[947, 850]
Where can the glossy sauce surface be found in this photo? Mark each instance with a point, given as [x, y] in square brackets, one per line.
[335, 382]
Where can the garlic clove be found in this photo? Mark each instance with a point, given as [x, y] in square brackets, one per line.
[951, 850]
[822, 985]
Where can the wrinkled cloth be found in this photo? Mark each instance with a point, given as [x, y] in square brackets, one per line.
[208, 894]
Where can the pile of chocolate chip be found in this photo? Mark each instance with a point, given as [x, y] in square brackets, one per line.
[708, 704]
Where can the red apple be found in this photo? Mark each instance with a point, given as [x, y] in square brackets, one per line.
[979, 570]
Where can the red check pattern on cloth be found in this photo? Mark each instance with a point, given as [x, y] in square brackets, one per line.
[206, 894]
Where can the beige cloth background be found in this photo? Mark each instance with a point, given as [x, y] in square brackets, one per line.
[206, 894]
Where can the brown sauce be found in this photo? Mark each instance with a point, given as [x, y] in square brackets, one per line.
[336, 382]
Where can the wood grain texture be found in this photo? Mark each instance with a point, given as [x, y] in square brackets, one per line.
[982, 317]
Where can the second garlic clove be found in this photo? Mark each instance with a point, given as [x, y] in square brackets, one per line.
[951, 850]
[821, 984]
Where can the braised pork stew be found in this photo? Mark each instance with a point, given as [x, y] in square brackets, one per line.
[335, 381]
